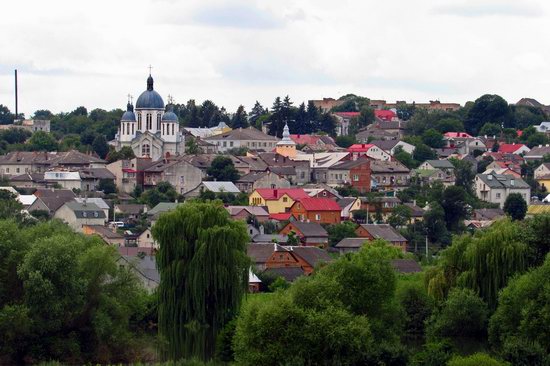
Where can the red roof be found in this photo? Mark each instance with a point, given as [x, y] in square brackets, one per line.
[509, 148]
[270, 194]
[305, 139]
[284, 216]
[457, 134]
[385, 115]
[320, 204]
[360, 147]
[347, 114]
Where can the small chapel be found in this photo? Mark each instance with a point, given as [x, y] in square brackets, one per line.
[150, 129]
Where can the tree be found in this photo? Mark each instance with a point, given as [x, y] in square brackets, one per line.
[417, 305]
[405, 158]
[519, 326]
[15, 135]
[256, 112]
[293, 240]
[449, 124]
[537, 230]
[163, 192]
[126, 153]
[107, 186]
[340, 231]
[454, 205]
[345, 141]
[239, 119]
[515, 206]
[488, 108]
[42, 141]
[400, 216]
[204, 274]
[490, 129]
[423, 152]
[462, 314]
[10, 207]
[464, 175]
[435, 225]
[222, 169]
[191, 146]
[476, 359]
[66, 298]
[100, 146]
[433, 138]
[6, 117]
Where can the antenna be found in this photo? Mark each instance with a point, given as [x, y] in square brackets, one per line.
[16, 101]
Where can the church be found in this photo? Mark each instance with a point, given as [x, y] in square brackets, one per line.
[149, 129]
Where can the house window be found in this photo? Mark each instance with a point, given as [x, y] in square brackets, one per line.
[148, 235]
[324, 193]
[96, 214]
[355, 178]
[285, 200]
[225, 144]
[230, 143]
[318, 217]
[182, 179]
[498, 195]
[7, 170]
[145, 150]
[17, 170]
[84, 214]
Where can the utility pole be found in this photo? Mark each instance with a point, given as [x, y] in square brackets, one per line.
[426, 246]
[16, 97]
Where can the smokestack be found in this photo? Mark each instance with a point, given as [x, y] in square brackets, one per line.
[16, 102]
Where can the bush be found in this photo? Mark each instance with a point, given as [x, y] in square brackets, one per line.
[463, 314]
[478, 359]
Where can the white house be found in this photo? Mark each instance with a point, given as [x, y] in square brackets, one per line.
[495, 188]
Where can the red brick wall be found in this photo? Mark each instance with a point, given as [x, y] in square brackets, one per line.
[364, 173]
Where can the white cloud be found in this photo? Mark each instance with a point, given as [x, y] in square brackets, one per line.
[236, 52]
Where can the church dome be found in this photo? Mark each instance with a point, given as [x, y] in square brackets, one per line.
[169, 117]
[150, 99]
[129, 115]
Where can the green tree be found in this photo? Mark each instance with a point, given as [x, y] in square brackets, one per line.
[163, 192]
[107, 186]
[239, 119]
[191, 146]
[293, 240]
[476, 359]
[6, 117]
[488, 108]
[345, 141]
[519, 326]
[515, 206]
[449, 124]
[490, 129]
[42, 141]
[417, 305]
[204, 274]
[423, 152]
[462, 314]
[100, 146]
[126, 153]
[10, 207]
[537, 229]
[433, 354]
[400, 216]
[222, 169]
[340, 231]
[464, 175]
[433, 138]
[454, 205]
[405, 158]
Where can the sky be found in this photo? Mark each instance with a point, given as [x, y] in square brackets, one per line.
[95, 53]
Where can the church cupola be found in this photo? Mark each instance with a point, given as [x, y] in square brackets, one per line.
[169, 124]
[128, 123]
[286, 147]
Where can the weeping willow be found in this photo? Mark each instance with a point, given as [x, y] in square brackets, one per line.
[483, 262]
[203, 275]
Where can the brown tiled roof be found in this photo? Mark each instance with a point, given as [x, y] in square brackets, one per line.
[310, 228]
[406, 266]
[351, 243]
[312, 255]
[378, 166]
[384, 231]
[260, 253]
[288, 273]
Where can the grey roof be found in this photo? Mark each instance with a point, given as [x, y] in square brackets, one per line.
[346, 201]
[253, 210]
[416, 210]
[250, 133]
[85, 211]
[252, 177]
[350, 164]
[538, 151]
[128, 116]
[96, 173]
[288, 273]
[406, 266]
[384, 231]
[381, 199]
[386, 145]
[162, 207]
[145, 266]
[99, 202]
[351, 243]
[170, 117]
[488, 213]
[218, 187]
[260, 253]
[32, 177]
[254, 162]
[150, 99]
[310, 228]
[502, 181]
[130, 208]
[440, 164]
[282, 170]
[268, 238]
[378, 166]
[312, 255]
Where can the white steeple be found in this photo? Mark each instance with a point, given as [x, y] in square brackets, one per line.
[286, 137]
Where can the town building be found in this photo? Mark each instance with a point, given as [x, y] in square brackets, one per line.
[382, 231]
[389, 175]
[370, 150]
[150, 130]
[309, 233]
[76, 215]
[250, 138]
[177, 171]
[537, 153]
[31, 125]
[276, 200]
[356, 173]
[321, 210]
[495, 188]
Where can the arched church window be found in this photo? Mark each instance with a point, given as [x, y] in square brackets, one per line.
[132, 128]
[145, 150]
[158, 122]
[139, 121]
[173, 128]
[149, 121]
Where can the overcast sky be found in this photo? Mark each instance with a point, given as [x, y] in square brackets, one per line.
[95, 53]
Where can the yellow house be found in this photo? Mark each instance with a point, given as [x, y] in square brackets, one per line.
[544, 181]
[276, 200]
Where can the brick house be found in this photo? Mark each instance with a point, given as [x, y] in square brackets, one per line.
[310, 233]
[320, 210]
[356, 173]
